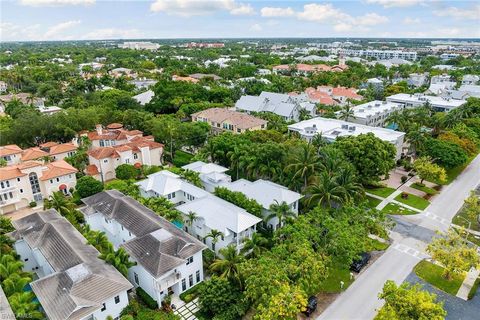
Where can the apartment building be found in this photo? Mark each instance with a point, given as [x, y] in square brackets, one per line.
[374, 113]
[331, 129]
[380, 54]
[30, 181]
[71, 281]
[442, 104]
[223, 119]
[139, 45]
[168, 260]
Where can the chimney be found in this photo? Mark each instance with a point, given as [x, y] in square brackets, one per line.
[99, 128]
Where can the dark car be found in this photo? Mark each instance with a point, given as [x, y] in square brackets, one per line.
[311, 306]
[358, 264]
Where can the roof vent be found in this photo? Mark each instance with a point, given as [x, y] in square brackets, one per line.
[351, 128]
[345, 126]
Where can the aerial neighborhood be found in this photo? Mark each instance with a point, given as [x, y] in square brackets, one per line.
[228, 177]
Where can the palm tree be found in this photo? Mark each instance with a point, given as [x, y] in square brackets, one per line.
[234, 156]
[331, 159]
[191, 217]
[416, 138]
[23, 305]
[215, 235]
[8, 266]
[59, 202]
[255, 245]
[173, 215]
[345, 179]
[304, 163]
[347, 112]
[325, 191]
[99, 240]
[119, 259]
[281, 211]
[15, 283]
[228, 267]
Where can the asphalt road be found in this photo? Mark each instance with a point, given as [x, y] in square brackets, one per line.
[360, 301]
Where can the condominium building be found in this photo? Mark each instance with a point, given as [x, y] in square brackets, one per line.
[380, 54]
[443, 104]
[139, 45]
[168, 260]
[71, 281]
[223, 119]
[374, 113]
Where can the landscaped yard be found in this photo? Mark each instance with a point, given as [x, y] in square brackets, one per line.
[424, 188]
[182, 158]
[373, 244]
[432, 274]
[463, 220]
[381, 192]
[413, 201]
[335, 275]
[373, 202]
[393, 208]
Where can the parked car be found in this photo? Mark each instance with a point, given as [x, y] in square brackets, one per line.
[311, 306]
[358, 264]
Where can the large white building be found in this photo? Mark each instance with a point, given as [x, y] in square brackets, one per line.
[168, 260]
[72, 282]
[214, 213]
[416, 100]
[331, 129]
[374, 113]
[380, 54]
[139, 45]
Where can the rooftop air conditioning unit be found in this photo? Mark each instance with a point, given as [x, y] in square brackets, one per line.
[377, 104]
[345, 126]
[352, 128]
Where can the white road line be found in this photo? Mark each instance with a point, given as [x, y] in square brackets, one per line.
[410, 251]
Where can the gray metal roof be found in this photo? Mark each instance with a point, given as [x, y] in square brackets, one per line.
[81, 282]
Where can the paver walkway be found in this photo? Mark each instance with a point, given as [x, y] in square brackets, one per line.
[187, 311]
[468, 283]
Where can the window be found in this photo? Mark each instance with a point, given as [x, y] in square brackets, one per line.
[127, 160]
[11, 195]
[197, 275]
[135, 276]
[190, 280]
[1, 184]
[7, 183]
[173, 195]
[26, 259]
[239, 130]
[102, 143]
[184, 285]
[21, 190]
[117, 299]
[104, 307]
[189, 260]
[58, 179]
[135, 156]
[18, 179]
[51, 181]
[105, 160]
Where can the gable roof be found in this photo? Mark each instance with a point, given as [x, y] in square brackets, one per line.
[57, 169]
[238, 119]
[9, 150]
[33, 153]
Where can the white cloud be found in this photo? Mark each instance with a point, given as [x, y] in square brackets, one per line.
[55, 3]
[370, 19]
[113, 33]
[396, 3]
[458, 13]
[55, 32]
[256, 27]
[322, 13]
[409, 20]
[13, 32]
[271, 12]
[188, 8]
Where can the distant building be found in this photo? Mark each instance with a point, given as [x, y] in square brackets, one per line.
[119, 72]
[139, 45]
[331, 129]
[205, 45]
[417, 80]
[416, 100]
[200, 76]
[187, 79]
[380, 54]
[470, 79]
[332, 95]
[143, 83]
[72, 282]
[223, 119]
[306, 69]
[144, 97]
[448, 56]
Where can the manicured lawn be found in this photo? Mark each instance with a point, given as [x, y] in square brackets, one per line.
[182, 158]
[432, 274]
[332, 283]
[114, 184]
[381, 192]
[413, 201]
[424, 188]
[463, 220]
[373, 244]
[373, 202]
[393, 208]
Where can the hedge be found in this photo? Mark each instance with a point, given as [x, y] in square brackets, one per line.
[147, 299]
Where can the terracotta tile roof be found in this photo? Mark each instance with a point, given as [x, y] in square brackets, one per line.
[346, 92]
[57, 169]
[91, 170]
[48, 144]
[29, 164]
[33, 153]
[9, 150]
[62, 148]
[10, 172]
[134, 132]
[122, 148]
[321, 97]
[115, 126]
[239, 119]
[103, 152]
[188, 79]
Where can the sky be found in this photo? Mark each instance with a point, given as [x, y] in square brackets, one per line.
[40, 20]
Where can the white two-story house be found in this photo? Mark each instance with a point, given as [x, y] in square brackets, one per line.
[73, 283]
[168, 260]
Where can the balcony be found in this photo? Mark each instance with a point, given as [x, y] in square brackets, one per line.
[165, 283]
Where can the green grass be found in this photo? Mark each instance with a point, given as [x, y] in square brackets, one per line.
[373, 202]
[432, 274]
[424, 188]
[182, 158]
[336, 273]
[375, 245]
[114, 184]
[381, 192]
[463, 220]
[474, 289]
[395, 209]
[413, 201]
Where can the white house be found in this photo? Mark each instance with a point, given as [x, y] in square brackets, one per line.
[331, 129]
[73, 283]
[168, 260]
[416, 100]
[214, 213]
[417, 79]
[144, 97]
[374, 113]
[470, 79]
[212, 175]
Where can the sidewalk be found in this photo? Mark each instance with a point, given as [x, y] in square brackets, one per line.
[468, 283]
[187, 311]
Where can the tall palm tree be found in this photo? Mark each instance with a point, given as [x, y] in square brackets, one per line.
[347, 113]
[191, 217]
[59, 202]
[215, 235]
[234, 156]
[281, 211]
[99, 240]
[416, 138]
[15, 283]
[23, 305]
[8, 266]
[119, 259]
[255, 245]
[304, 163]
[228, 267]
[345, 179]
[325, 191]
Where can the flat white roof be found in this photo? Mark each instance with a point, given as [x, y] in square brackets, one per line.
[373, 108]
[334, 128]
[434, 100]
[206, 168]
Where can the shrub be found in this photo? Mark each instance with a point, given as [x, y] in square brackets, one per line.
[404, 179]
[147, 299]
[126, 172]
[241, 200]
[88, 186]
[32, 204]
[191, 293]
[445, 153]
